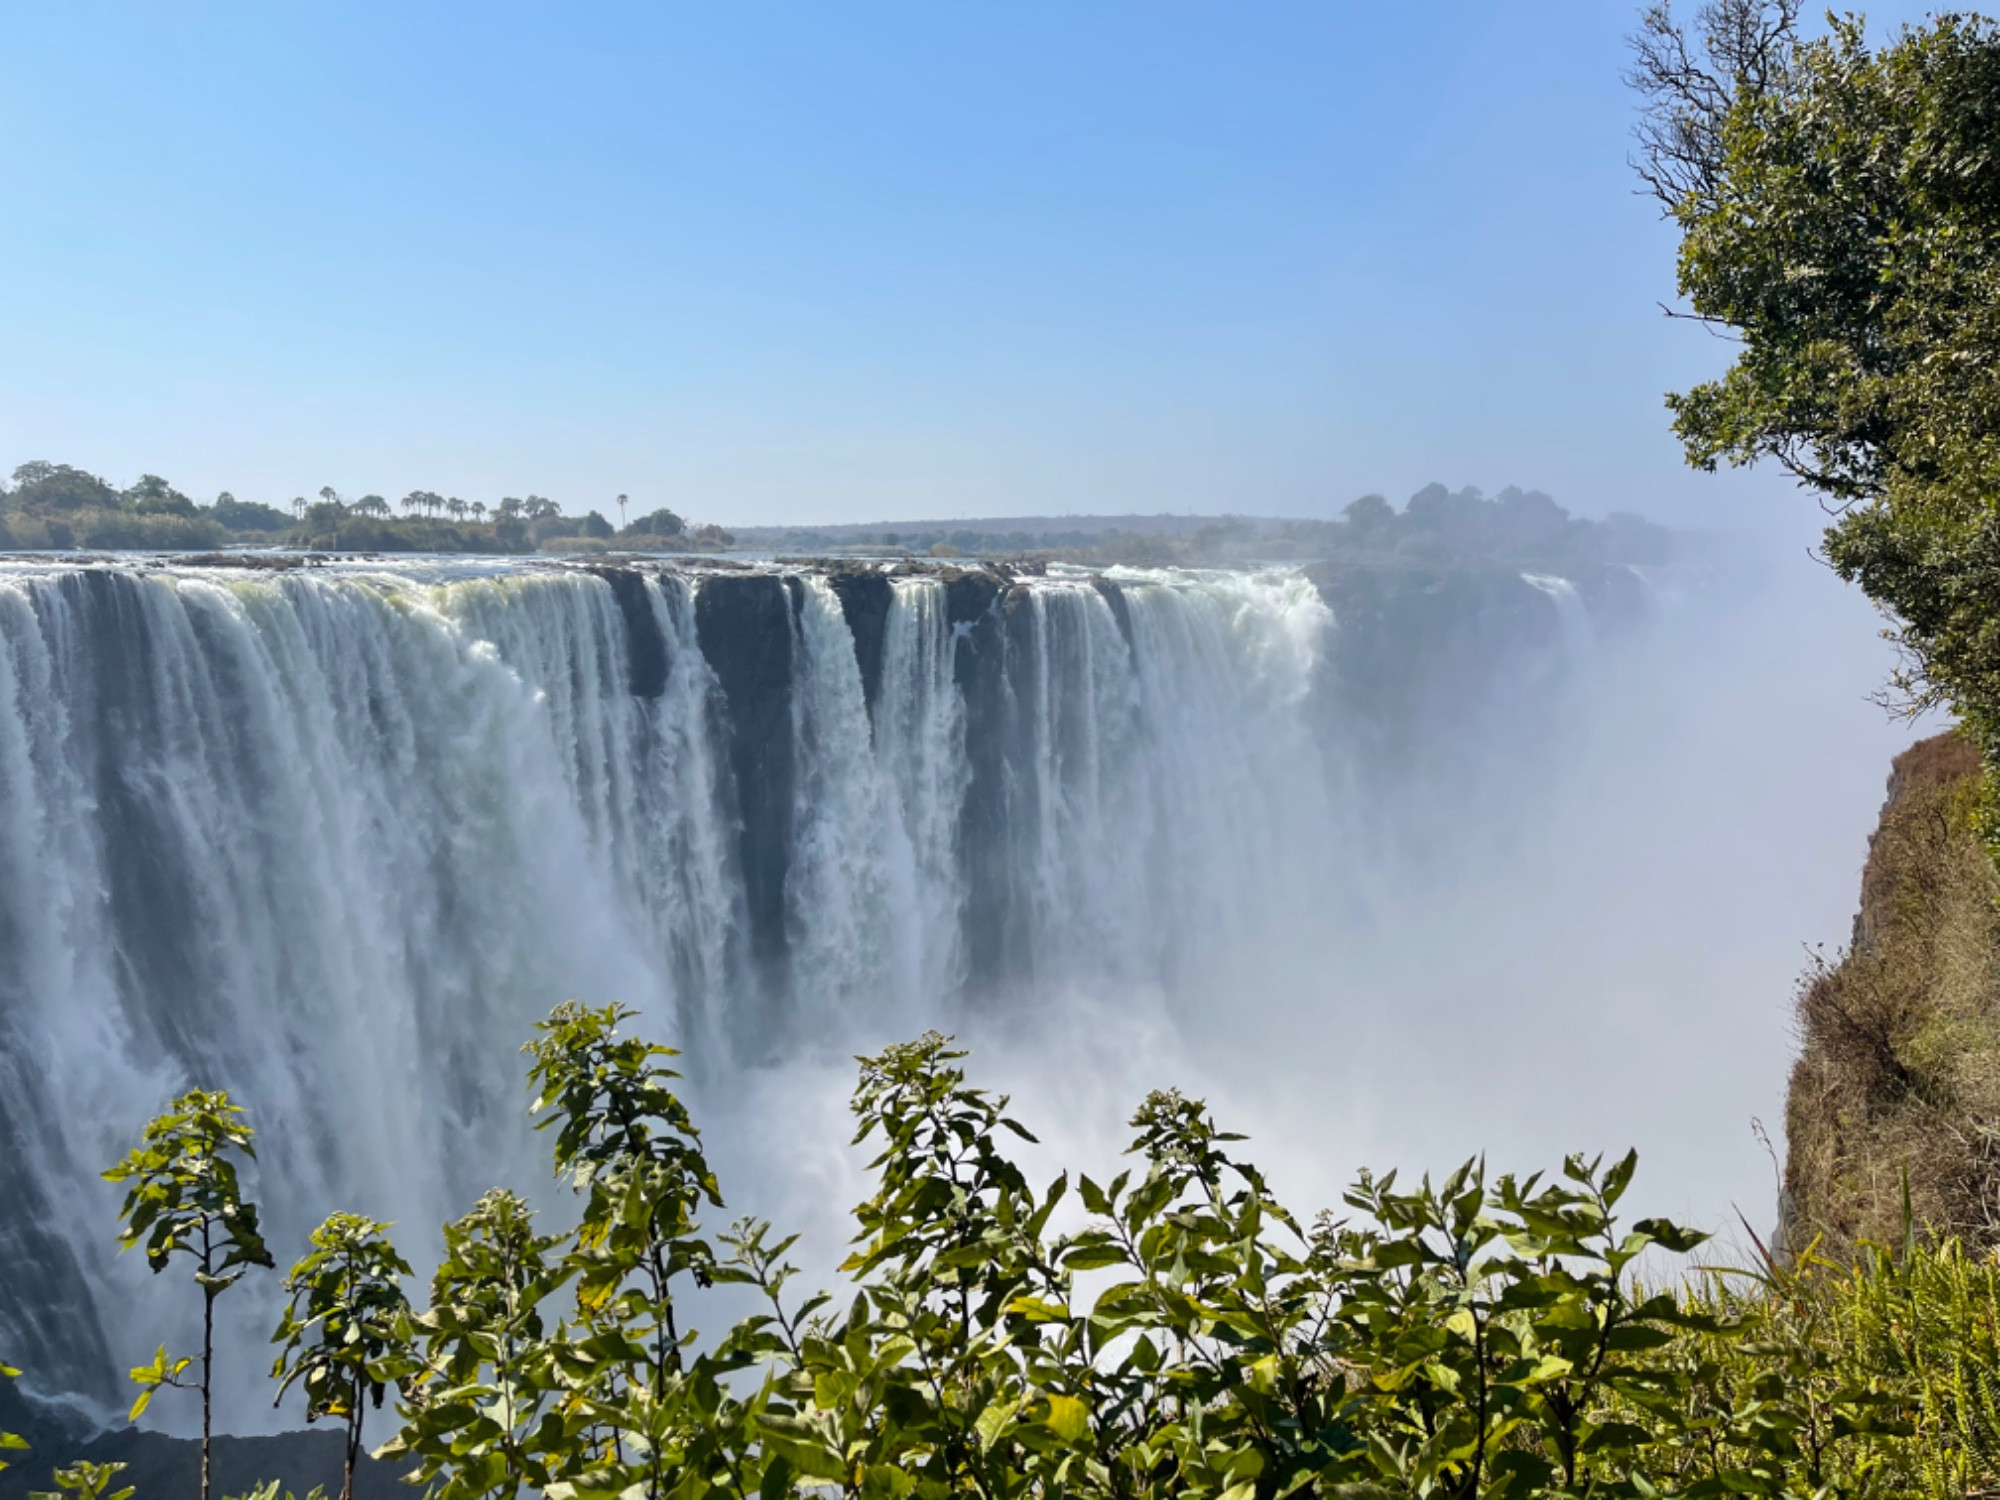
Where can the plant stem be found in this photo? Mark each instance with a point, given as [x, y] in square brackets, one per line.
[207, 1349]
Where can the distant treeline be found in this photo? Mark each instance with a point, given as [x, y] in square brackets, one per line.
[1438, 525]
[57, 506]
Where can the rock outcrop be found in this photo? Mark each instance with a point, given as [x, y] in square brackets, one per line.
[745, 625]
[160, 1466]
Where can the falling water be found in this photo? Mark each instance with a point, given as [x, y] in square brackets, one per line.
[335, 837]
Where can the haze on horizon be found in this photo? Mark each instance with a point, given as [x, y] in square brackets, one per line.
[788, 264]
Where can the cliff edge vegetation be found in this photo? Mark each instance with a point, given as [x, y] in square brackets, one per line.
[1838, 205]
[1897, 1085]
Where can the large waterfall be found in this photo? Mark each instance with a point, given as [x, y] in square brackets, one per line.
[335, 837]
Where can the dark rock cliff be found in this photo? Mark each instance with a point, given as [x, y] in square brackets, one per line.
[745, 624]
[160, 1467]
[645, 645]
[864, 596]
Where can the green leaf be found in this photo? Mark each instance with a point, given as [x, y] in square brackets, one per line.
[1068, 1418]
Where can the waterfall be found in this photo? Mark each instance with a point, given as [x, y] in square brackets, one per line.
[1570, 610]
[335, 837]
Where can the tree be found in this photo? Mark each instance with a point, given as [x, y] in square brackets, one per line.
[1476, 1338]
[624, 1140]
[183, 1197]
[42, 486]
[342, 1329]
[621, 512]
[657, 523]
[247, 515]
[479, 1408]
[1839, 209]
[1740, 48]
[152, 495]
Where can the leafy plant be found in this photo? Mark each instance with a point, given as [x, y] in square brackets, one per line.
[624, 1141]
[84, 1480]
[479, 1407]
[272, 1489]
[343, 1330]
[10, 1442]
[1176, 1332]
[184, 1197]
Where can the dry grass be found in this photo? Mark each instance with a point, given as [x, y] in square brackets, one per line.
[1899, 1067]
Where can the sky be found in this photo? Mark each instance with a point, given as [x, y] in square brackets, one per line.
[771, 263]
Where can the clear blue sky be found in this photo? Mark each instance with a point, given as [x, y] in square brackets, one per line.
[770, 262]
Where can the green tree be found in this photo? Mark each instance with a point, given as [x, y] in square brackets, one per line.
[657, 523]
[183, 1197]
[1479, 1339]
[40, 486]
[247, 515]
[1839, 209]
[343, 1330]
[480, 1409]
[153, 496]
[625, 1141]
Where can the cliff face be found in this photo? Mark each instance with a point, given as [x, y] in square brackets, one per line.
[1899, 1070]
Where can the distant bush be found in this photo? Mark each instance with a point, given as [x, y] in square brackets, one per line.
[33, 533]
[42, 486]
[248, 515]
[139, 531]
[655, 523]
[337, 528]
[575, 546]
[153, 496]
[58, 506]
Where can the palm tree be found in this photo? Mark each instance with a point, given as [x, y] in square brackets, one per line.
[479, 511]
[621, 512]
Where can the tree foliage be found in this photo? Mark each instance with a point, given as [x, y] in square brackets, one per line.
[1839, 208]
[1184, 1335]
[184, 1198]
[1171, 1330]
[342, 1329]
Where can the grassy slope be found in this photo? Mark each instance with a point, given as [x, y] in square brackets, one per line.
[1899, 1070]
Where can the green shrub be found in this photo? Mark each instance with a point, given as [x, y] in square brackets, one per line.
[1186, 1336]
[139, 531]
